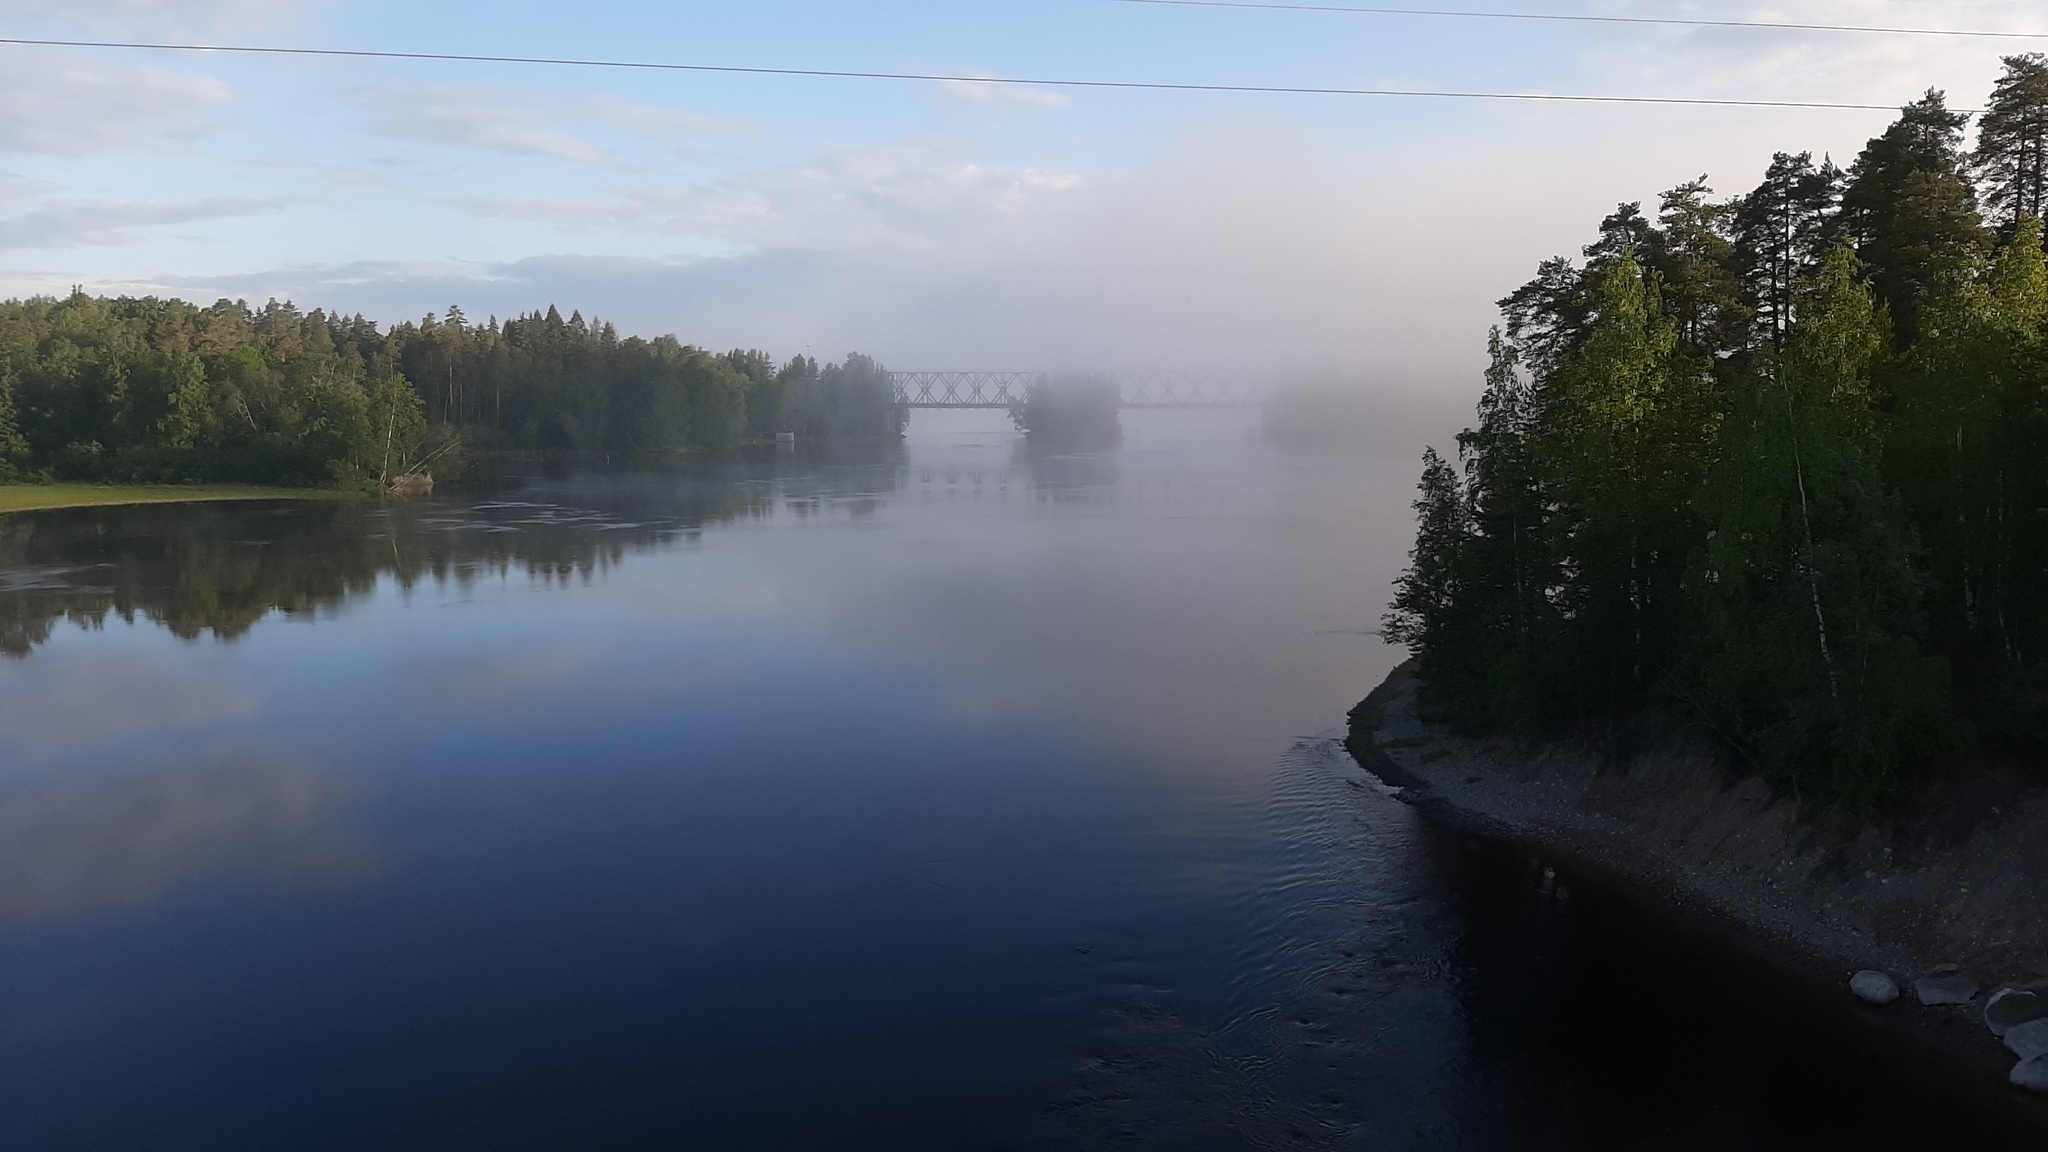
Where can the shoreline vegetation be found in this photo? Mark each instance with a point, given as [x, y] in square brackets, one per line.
[152, 391]
[1738, 589]
[1775, 465]
[42, 497]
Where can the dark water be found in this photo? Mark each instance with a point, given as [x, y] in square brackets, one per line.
[948, 798]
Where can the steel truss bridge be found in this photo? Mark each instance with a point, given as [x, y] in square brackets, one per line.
[1008, 389]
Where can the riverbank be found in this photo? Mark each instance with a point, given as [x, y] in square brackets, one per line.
[36, 497]
[1659, 815]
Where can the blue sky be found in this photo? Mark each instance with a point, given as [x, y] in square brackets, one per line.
[933, 225]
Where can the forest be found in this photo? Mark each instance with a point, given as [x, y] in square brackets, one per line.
[1775, 464]
[163, 391]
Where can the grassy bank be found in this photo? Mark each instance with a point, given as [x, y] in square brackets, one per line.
[27, 497]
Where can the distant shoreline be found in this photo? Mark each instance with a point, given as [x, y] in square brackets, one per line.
[41, 497]
[1665, 825]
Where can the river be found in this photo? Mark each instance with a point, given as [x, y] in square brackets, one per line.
[950, 796]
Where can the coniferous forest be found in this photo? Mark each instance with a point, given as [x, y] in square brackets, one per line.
[1776, 463]
[158, 390]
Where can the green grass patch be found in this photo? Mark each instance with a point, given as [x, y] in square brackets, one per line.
[29, 497]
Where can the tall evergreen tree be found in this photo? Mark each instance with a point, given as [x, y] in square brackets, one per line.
[1426, 612]
[1695, 257]
[1552, 314]
[1508, 570]
[1909, 210]
[1547, 317]
[2011, 158]
[1780, 230]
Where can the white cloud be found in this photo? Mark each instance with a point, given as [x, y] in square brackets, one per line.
[1879, 69]
[67, 103]
[451, 116]
[323, 173]
[134, 19]
[57, 222]
[915, 194]
[672, 126]
[530, 122]
[982, 92]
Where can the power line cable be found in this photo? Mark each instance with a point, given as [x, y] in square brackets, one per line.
[1016, 81]
[1564, 18]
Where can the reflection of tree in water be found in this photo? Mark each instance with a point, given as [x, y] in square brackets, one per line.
[200, 569]
[1594, 1022]
[1063, 475]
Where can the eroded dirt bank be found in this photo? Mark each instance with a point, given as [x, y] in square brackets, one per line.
[1963, 880]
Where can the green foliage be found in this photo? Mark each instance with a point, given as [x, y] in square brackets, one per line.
[850, 401]
[1781, 462]
[1809, 598]
[1629, 440]
[161, 391]
[13, 449]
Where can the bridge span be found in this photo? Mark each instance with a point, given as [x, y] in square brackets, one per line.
[1005, 389]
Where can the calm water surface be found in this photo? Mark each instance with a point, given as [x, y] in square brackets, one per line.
[951, 798]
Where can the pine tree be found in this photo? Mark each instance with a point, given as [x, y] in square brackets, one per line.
[1552, 315]
[1547, 317]
[1780, 231]
[2011, 159]
[1695, 258]
[1909, 211]
[1508, 571]
[1429, 594]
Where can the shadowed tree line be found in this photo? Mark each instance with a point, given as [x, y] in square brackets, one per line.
[155, 390]
[1780, 462]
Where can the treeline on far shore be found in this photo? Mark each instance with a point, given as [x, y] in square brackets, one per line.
[163, 391]
[1777, 463]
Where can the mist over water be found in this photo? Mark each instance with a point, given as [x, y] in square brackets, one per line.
[948, 795]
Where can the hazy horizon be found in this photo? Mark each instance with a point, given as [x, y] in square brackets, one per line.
[929, 225]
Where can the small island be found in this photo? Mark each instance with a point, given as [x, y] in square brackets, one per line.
[1738, 588]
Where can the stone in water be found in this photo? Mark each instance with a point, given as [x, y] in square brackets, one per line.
[2029, 1040]
[2010, 1007]
[1874, 987]
[1945, 987]
[2031, 1074]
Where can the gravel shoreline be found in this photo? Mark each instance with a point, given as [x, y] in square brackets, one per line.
[1814, 896]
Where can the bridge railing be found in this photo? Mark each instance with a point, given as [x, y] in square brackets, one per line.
[1006, 389]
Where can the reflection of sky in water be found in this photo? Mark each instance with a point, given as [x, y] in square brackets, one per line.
[668, 790]
[949, 798]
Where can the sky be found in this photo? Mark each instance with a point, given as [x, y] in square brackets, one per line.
[932, 225]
